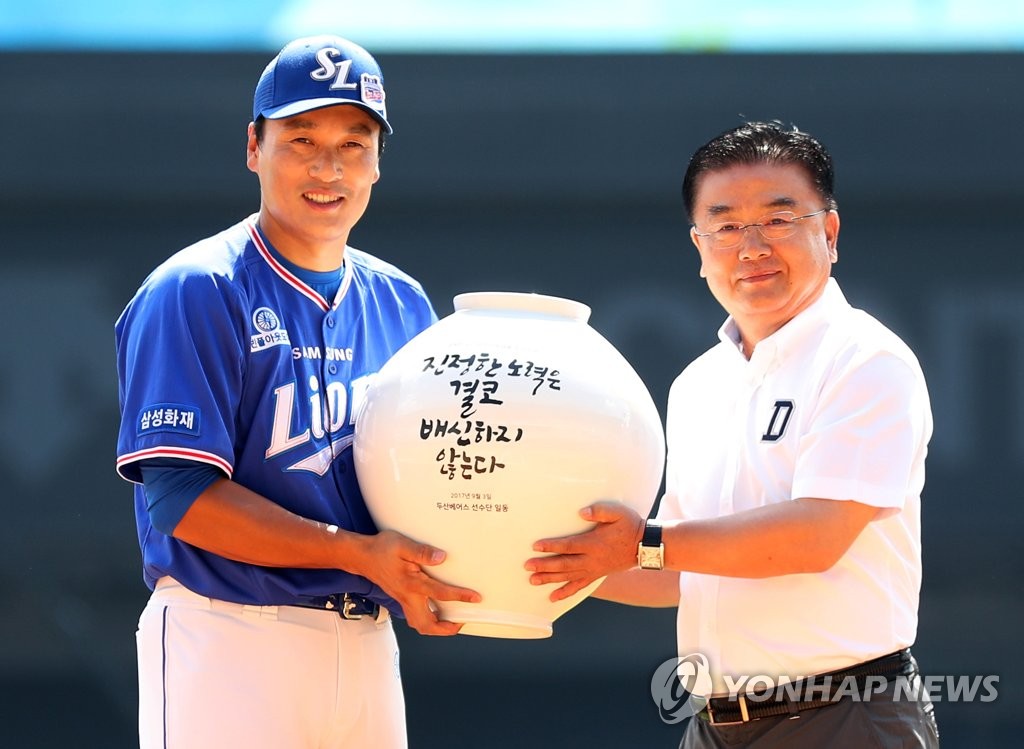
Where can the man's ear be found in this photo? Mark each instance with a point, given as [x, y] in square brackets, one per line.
[252, 148]
[696, 243]
[832, 234]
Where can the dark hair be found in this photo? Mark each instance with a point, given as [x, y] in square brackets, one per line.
[261, 122]
[761, 143]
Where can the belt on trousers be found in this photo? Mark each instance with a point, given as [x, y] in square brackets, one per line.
[347, 606]
[804, 694]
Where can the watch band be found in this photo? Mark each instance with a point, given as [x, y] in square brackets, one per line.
[650, 552]
[652, 533]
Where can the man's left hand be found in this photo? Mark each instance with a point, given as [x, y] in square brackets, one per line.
[579, 560]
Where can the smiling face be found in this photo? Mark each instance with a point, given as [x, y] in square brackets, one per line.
[316, 171]
[764, 283]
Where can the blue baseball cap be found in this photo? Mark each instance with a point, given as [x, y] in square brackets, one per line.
[320, 71]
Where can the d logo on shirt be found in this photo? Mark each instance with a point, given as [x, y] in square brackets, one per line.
[779, 421]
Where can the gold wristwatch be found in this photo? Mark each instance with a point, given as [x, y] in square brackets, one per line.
[650, 552]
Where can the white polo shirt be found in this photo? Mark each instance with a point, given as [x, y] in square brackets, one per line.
[832, 406]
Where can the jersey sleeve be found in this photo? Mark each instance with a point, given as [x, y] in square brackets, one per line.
[180, 365]
[868, 439]
[172, 486]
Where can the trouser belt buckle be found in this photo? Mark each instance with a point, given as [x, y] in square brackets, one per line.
[358, 608]
[744, 714]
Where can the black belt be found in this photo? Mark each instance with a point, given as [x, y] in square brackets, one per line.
[790, 700]
[347, 605]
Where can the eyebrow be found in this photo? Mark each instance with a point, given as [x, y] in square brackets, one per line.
[781, 202]
[304, 123]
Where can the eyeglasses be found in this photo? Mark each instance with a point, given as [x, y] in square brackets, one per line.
[773, 226]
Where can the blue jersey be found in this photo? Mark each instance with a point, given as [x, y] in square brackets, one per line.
[228, 359]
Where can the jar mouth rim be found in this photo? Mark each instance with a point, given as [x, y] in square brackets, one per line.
[519, 301]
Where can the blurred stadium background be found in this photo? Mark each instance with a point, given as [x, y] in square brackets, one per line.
[539, 146]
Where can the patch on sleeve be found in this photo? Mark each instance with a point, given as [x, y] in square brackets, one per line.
[168, 417]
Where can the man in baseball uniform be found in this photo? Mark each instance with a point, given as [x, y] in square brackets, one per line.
[789, 533]
[241, 362]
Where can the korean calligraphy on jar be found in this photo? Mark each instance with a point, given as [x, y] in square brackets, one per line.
[477, 385]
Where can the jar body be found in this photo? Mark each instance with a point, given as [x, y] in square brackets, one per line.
[491, 430]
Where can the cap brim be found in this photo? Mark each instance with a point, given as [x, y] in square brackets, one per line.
[306, 105]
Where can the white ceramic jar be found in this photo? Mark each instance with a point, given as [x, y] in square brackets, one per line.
[491, 430]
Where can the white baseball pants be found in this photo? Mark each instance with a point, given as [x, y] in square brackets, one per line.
[216, 675]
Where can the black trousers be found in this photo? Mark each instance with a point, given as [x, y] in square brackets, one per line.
[879, 723]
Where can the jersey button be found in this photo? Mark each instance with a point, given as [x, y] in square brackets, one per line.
[330, 322]
[333, 369]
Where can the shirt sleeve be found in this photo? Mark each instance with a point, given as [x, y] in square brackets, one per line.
[180, 368]
[868, 437]
[172, 486]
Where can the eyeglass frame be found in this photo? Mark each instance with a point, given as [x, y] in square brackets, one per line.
[742, 230]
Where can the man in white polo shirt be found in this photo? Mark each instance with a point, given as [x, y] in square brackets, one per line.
[789, 533]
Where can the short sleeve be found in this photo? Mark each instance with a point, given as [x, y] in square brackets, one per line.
[868, 435]
[180, 367]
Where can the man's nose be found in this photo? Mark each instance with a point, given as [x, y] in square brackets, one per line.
[326, 166]
[753, 244]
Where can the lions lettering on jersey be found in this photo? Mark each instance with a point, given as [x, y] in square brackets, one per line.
[326, 417]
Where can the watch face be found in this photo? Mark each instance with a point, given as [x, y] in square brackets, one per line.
[651, 557]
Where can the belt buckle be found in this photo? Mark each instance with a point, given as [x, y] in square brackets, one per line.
[744, 715]
[348, 608]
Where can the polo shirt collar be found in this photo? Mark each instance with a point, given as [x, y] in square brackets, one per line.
[790, 334]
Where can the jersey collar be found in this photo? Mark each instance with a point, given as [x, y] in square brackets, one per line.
[263, 248]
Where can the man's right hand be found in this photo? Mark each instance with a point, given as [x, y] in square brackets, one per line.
[397, 564]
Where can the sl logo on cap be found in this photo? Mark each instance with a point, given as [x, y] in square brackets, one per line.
[330, 69]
